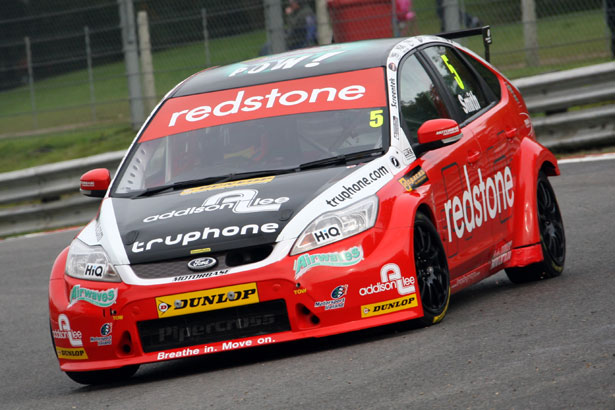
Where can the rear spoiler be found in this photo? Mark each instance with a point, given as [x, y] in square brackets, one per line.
[485, 31]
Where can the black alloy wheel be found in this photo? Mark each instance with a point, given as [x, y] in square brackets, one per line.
[552, 238]
[431, 271]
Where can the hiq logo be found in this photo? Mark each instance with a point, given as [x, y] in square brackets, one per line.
[94, 269]
[327, 233]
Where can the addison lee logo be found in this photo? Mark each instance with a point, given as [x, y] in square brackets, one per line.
[239, 201]
[201, 264]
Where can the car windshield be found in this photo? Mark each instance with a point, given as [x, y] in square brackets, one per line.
[274, 144]
[258, 130]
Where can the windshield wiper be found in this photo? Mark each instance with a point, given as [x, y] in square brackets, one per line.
[342, 159]
[210, 180]
[182, 184]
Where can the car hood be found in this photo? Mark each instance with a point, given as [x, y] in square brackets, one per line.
[217, 217]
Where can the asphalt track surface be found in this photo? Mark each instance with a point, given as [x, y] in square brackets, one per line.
[544, 345]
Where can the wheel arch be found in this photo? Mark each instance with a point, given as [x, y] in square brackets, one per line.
[532, 158]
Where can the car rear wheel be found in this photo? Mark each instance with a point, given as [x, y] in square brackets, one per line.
[104, 376]
[431, 271]
[552, 238]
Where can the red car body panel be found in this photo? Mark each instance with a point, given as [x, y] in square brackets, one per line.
[479, 192]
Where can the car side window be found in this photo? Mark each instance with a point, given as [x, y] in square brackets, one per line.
[419, 100]
[491, 79]
[459, 79]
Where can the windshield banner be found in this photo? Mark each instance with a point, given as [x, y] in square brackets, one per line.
[342, 91]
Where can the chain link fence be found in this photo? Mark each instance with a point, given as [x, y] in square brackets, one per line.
[66, 65]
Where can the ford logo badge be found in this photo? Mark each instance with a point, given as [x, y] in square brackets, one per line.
[200, 264]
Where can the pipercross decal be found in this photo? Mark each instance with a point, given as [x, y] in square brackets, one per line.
[479, 203]
[413, 179]
[102, 298]
[355, 89]
[185, 239]
[204, 300]
[348, 257]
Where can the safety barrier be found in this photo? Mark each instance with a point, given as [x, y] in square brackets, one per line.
[553, 100]
[578, 106]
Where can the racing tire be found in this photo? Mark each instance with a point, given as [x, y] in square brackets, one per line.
[552, 238]
[104, 376]
[431, 271]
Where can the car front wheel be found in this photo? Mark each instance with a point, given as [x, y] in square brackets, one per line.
[431, 271]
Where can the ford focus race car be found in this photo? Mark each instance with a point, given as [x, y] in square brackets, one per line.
[301, 195]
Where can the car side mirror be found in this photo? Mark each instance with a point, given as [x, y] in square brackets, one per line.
[95, 183]
[441, 129]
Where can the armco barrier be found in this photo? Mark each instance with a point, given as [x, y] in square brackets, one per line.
[554, 94]
[49, 184]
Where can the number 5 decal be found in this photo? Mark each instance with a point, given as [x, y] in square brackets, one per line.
[453, 71]
[375, 118]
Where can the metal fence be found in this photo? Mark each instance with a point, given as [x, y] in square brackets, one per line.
[67, 63]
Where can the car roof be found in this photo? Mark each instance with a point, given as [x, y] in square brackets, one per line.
[308, 62]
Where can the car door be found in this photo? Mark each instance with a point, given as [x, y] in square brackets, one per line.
[477, 108]
[451, 169]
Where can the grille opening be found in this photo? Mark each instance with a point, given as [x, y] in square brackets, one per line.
[248, 255]
[179, 267]
[214, 326]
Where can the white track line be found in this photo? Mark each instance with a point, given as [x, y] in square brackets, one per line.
[587, 158]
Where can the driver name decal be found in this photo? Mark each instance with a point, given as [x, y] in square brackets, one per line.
[356, 89]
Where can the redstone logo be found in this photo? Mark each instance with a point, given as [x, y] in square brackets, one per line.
[355, 89]
[479, 203]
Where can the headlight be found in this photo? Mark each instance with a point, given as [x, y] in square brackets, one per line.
[89, 262]
[337, 225]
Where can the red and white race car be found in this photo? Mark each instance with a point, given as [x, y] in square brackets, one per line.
[305, 194]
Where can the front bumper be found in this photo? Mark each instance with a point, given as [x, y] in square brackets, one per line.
[301, 296]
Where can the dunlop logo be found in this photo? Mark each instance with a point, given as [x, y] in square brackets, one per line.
[389, 306]
[205, 300]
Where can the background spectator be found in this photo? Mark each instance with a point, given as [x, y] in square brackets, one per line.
[406, 18]
[300, 25]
